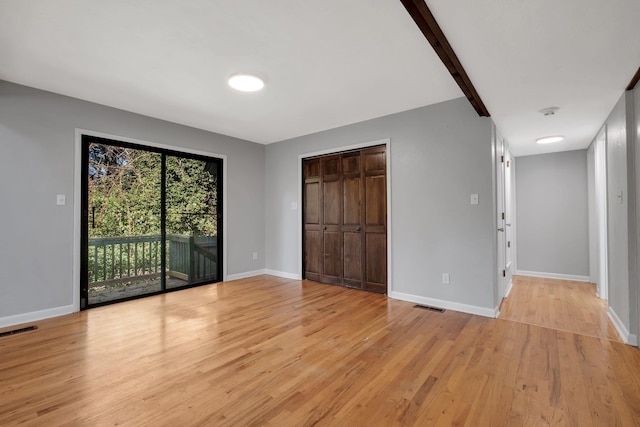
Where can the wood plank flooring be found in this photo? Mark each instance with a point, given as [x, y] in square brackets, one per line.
[558, 304]
[277, 352]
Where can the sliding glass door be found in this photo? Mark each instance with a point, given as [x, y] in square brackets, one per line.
[191, 221]
[150, 221]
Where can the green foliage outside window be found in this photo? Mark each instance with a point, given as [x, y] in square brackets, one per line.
[125, 188]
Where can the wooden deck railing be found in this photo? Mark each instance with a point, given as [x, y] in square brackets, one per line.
[124, 259]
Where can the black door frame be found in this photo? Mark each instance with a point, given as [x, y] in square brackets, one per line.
[85, 140]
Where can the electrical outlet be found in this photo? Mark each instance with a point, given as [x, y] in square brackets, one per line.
[61, 200]
[445, 278]
[255, 256]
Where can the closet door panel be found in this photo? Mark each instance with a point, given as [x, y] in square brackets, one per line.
[376, 265]
[312, 254]
[332, 266]
[352, 244]
[331, 209]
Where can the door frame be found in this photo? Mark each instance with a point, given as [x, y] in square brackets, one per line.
[509, 209]
[600, 170]
[499, 223]
[386, 142]
[77, 194]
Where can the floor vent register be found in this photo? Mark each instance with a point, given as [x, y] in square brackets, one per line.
[17, 331]
[428, 307]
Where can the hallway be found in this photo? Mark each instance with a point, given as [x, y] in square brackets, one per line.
[558, 304]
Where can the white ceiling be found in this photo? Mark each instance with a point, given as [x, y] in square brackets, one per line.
[524, 56]
[328, 63]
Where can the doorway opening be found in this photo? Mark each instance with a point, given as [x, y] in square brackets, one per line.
[555, 298]
[504, 217]
[150, 220]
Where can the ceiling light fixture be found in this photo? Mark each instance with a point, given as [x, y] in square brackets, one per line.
[549, 139]
[550, 111]
[246, 82]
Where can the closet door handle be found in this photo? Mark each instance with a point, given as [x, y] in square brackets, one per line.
[324, 228]
[358, 229]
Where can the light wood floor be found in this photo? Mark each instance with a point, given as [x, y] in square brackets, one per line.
[559, 304]
[270, 351]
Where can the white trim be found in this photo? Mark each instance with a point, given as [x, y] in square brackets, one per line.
[77, 218]
[628, 338]
[36, 315]
[387, 143]
[244, 275]
[497, 297]
[514, 216]
[450, 305]
[282, 274]
[553, 276]
[267, 271]
[600, 156]
[509, 288]
[77, 215]
[500, 222]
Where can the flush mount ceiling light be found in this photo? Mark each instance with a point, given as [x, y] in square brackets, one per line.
[246, 82]
[549, 139]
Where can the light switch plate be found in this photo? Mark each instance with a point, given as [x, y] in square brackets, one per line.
[474, 199]
[294, 206]
[61, 200]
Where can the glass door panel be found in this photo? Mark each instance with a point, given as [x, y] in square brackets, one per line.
[192, 237]
[150, 221]
[122, 222]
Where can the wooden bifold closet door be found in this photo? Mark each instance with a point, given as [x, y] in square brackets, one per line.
[345, 219]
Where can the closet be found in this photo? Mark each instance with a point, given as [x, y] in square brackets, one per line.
[345, 219]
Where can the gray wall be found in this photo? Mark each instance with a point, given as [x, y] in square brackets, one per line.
[440, 154]
[37, 137]
[551, 203]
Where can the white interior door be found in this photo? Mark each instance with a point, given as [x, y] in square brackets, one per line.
[509, 216]
[500, 226]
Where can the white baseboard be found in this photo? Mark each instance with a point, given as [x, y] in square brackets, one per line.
[553, 276]
[261, 272]
[450, 305]
[245, 275]
[509, 287]
[33, 316]
[282, 274]
[628, 338]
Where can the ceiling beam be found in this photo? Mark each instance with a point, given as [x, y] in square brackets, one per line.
[634, 80]
[427, 23]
